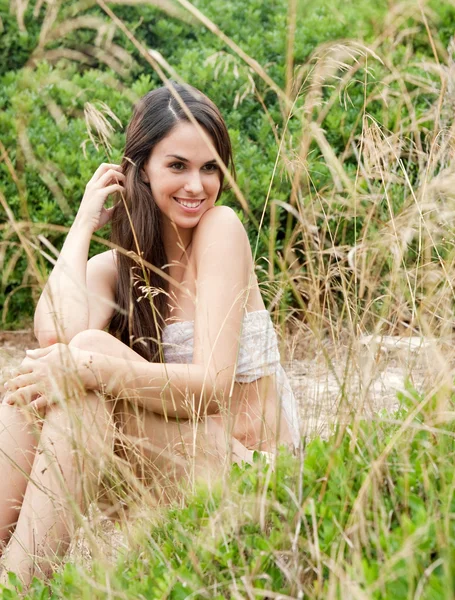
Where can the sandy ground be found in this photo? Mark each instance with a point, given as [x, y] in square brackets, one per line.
[328, 382]
[331, 384]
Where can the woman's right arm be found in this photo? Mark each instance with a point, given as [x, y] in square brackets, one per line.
[63, 309]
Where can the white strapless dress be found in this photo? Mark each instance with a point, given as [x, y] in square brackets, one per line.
[258, 356]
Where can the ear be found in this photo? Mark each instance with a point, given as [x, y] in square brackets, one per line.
[143, 176]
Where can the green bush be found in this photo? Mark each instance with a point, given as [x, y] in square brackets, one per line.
[46, 103]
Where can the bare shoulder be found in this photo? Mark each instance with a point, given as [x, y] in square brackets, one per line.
[104, 266]
[104, 260]
[220, 228]
[219, 214]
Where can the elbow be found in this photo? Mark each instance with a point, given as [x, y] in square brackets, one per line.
[47, 337]
[44, 339]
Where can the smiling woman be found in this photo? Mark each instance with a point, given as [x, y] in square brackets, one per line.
[182, 186]
[187, 380]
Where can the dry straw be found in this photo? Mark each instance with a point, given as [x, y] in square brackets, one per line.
[395, 279]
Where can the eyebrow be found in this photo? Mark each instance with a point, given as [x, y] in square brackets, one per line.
[209, 162]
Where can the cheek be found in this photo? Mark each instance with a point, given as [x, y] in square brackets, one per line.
[215, 186]
[161, 185]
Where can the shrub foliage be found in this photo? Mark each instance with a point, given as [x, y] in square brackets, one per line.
[330, 161]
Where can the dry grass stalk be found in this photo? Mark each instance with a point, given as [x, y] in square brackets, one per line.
[395, 278]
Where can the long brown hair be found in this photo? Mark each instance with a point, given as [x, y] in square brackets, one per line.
[137, 222]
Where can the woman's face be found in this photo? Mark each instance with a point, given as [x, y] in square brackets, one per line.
[183, 176]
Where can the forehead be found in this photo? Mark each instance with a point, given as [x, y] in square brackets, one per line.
[186, 141]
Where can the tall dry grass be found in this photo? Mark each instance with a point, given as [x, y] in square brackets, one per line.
[395, 278]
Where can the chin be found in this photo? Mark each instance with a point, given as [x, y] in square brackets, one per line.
[187, 223]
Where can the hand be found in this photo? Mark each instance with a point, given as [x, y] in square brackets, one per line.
[45, 374]
[107, 179]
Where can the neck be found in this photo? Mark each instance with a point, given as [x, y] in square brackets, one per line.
[176, 242]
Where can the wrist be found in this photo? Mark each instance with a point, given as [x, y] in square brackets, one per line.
[83, 223]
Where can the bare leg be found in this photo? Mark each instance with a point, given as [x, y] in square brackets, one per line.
[62, 482]
[18, 440]
[168, 455]
[65, 473]
[176, 449]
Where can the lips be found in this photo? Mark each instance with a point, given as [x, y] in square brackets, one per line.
[187, 204]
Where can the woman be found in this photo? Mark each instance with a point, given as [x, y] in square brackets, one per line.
[188, 375]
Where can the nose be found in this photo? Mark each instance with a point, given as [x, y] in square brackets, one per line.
[193, 184]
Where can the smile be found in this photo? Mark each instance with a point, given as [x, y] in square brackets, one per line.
[190, 204]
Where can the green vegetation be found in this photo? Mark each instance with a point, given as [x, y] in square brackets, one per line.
[335, 166]
[343, 138]
[366, 514]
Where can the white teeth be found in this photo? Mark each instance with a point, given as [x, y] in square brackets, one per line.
[188, 204]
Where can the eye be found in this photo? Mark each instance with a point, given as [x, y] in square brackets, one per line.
[210, 168]
[177, 166]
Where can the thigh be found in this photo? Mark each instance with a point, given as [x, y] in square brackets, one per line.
[170, 454]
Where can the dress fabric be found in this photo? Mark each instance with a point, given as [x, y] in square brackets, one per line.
[258, 356]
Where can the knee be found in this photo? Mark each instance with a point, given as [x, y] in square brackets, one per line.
[92, 340]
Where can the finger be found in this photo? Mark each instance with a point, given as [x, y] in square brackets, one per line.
[40, 404]
[39, 352]
[58, 349]
[106, 215]
[20, 381]
[111, 209]
[103, 168]
[108, 211]
[25, 367]
[111, 176]
[10, 375]
[23, 395]
[110, 189]
[115, 166]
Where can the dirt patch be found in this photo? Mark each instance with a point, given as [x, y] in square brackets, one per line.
[336, 383]
[13, 345]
